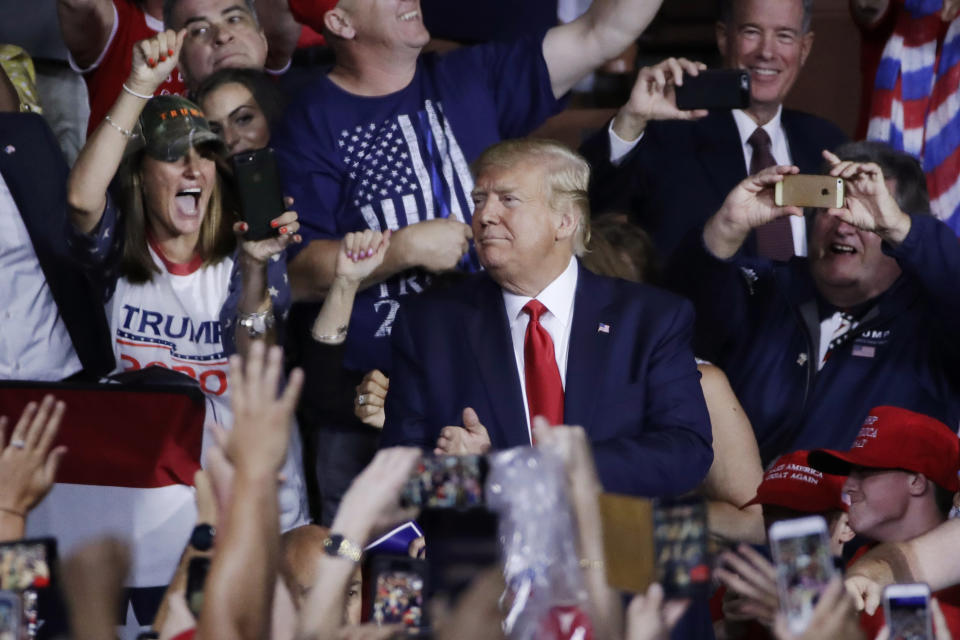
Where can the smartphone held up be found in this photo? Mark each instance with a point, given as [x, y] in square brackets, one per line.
[906, 609]
[801, 554]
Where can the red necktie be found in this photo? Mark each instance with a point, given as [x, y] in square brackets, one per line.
[774, 239]
[544, 388]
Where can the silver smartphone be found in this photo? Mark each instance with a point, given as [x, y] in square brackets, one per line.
[801, 553]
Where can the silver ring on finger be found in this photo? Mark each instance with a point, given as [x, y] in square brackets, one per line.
[361, 399]
[18, 443]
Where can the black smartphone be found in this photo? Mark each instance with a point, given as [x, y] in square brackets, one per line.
[447, 482]
[197, 572]
[715, 89]
[398, 591]
[680, 538]
[460, 545]
[259, 191]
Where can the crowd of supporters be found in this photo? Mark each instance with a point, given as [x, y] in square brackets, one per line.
[349, 352]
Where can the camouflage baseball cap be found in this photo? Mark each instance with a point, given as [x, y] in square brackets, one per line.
[171, 125]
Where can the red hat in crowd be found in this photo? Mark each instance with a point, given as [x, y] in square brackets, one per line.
[894, 438]
[311, 12]
[790, 482]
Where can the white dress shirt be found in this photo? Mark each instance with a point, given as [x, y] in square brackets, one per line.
[34, 343]
[781, 153]
[558, 298]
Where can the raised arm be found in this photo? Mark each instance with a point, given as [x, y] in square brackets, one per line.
[371, 504]
[85, 26]
[282, 32]
[239, 591]
[747, 207]
[153, 60]
[608, 27]
[435, 245]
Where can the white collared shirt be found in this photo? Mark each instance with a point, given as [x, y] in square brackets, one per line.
[558, 298]
[781, 153]
[34, 343]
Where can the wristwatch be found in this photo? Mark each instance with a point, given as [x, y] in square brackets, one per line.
[338, 546]
[202, 537]
[256, 323]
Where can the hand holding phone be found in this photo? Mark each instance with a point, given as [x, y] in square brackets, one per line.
[801, 553]
[715, 89]
[800, 190]
[259, 191]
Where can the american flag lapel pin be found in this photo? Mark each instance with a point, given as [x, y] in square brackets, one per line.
[603, 327]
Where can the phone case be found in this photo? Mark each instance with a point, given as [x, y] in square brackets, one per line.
[259, 192]
[715, 89]
[801, 190]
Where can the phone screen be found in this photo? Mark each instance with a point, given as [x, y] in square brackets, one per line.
[447, 482]
[24, 565]
[804, 566]
[909, 618]
[398, 598]
[680, 543]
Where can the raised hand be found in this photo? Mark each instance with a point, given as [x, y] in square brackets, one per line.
[869, 203]
[748, 206]
[360, 253]
[370, 398]
[573, 447]
[261, 420]
[654, 97]
[27, 465]
[751, 581]
[259, 251]
[154, 59]
[372, 502]
[650, 618]
[470, 439]
[834, 618]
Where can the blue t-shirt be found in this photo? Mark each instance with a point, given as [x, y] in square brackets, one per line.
[354, 162]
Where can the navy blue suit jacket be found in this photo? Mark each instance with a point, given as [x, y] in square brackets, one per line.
[680, 172]
[634, 389]
[33, 167]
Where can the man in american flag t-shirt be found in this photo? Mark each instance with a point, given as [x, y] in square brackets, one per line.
[384, 141]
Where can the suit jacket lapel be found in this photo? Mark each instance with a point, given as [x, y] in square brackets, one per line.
[589, 348]
[804, 151]
[718, 150]
[492, 347]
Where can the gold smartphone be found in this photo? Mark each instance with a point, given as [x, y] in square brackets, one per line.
[801, 190]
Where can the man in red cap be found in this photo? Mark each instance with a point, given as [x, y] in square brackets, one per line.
[792, 489]
[901, 476]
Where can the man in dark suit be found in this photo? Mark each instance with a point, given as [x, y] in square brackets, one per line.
[54, 326]
[672, 169]
[536, 334]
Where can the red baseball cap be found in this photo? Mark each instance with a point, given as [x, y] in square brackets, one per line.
[311, 12]
[895, 438]
[790, 482]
